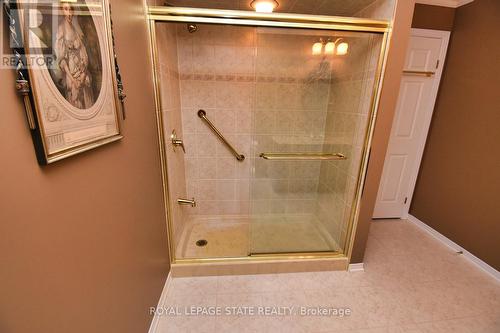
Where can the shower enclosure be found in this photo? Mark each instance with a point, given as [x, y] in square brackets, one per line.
[265, 124]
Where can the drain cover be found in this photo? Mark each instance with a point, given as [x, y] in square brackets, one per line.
[201, 242]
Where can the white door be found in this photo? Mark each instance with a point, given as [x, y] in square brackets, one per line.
[417, 96]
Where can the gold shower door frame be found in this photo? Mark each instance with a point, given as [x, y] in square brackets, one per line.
[277, 20]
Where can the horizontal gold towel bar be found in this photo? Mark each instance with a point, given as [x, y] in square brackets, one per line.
[302, 156]
[428, 74]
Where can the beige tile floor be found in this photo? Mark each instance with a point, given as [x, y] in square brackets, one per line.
[411, 283]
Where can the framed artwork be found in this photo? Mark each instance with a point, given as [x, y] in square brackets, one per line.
[67, 74]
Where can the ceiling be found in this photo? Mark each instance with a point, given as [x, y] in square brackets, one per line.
[318, 7]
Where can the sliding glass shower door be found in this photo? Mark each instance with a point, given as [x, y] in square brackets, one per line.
[313, 96]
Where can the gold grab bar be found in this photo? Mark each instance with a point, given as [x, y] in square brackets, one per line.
[302, 156]
[424, 73]
[203, 115]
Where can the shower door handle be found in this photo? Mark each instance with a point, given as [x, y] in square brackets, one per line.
[303, 156]
[176, 142]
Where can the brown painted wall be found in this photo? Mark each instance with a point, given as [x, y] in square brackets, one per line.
[458, 187]
[433, 17]
[82, 242]
[387, 107]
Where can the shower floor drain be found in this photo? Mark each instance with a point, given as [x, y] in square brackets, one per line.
[201, 242]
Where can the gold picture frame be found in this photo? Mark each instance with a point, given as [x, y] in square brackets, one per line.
[67, 74]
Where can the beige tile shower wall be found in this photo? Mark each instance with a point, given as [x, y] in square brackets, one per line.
[217, 74]
[346, 125]
[171, 111]
[266, 93]
[290, 113]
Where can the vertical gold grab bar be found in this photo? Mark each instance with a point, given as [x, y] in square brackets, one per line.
[203, 115]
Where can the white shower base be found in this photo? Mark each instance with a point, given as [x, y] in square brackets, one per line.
[241, 236]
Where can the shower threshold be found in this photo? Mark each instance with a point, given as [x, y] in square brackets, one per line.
[260, 265]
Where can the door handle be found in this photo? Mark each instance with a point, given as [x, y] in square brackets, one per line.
[176, 142]
[186, 202]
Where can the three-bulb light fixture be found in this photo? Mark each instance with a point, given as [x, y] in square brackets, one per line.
[330, 47]
[322, 47]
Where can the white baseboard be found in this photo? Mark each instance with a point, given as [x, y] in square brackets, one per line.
[455, 247]
[161, 302]
[445, 3]
[356, 267]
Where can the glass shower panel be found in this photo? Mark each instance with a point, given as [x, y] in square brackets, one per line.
[312, 103]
